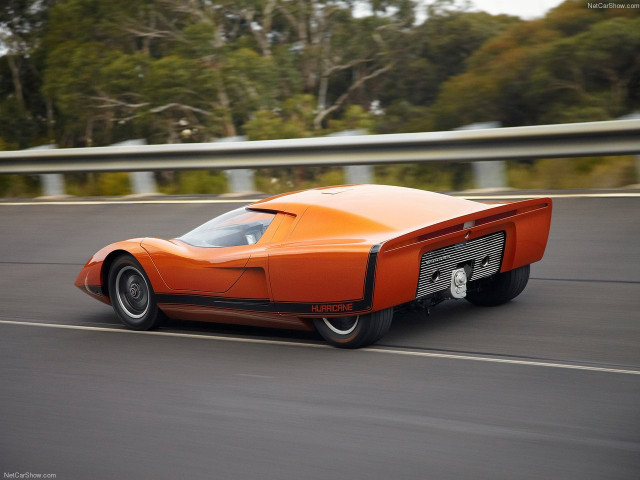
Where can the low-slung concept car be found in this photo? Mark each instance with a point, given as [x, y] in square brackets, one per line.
[337, 259]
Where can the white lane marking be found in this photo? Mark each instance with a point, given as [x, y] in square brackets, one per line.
[412, 353]
[532, 363]
[551, 195]
[131, 202]
[164, 334]
[252, 200]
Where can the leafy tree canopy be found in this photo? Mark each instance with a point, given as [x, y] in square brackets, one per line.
[95, 72]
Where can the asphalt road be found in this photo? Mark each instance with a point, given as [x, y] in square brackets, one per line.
[544, 387]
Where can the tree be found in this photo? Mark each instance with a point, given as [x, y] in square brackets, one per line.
[21, 23]
[341, 55]
[562, 68]
[24, 114]
[192, 70]
[293, 120]
[119, 69]
[430, 54]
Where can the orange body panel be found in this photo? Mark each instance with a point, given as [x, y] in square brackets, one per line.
[328, 252]
[317, 273]
[196, 269]
[92, 278]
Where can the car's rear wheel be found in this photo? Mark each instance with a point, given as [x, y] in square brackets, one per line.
[354, 331]
[500, 288]
[132, 296]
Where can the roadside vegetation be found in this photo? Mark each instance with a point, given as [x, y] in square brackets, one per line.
[79, 73]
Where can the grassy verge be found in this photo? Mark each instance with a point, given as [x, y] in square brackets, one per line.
[551, 174]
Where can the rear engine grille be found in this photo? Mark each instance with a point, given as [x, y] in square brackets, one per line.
[436, 266]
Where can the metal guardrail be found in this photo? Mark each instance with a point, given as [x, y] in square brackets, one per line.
[617, 137]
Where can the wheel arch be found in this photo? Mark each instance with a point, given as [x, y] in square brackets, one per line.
[368, 329]
[106, 266]
[134, 249]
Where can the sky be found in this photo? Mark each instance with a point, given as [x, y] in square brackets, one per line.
[526, 9]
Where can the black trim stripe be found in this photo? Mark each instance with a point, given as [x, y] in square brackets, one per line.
[258, 305]
[95, 289]
[363, 304]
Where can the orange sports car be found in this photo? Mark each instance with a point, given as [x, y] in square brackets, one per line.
[337, 259]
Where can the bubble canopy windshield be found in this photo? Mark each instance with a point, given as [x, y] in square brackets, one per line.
[237, 227]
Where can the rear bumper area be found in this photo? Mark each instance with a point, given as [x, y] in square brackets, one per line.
[517, 232]
[480, 258]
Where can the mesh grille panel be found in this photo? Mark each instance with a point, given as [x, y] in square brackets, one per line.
[440, 263]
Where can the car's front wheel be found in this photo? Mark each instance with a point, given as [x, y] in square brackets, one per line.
[132, 296]
[354, 331]
[501, 288]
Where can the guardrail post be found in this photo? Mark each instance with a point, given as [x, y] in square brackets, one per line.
[241, 180]
[491, 173]
[52, 183]
[141, 182]
[355, 174]
[634, 116]
[358, 174]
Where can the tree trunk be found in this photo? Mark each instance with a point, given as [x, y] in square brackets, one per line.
[15, 76]
[262, 34]
[88, 132]
[228, 128]
[50, 121]
[357, 83]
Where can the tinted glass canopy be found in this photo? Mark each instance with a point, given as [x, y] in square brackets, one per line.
[237, 227]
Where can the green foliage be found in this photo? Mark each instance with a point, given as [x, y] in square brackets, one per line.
[113, 184]
[355, 118]
[172, 183]
[95, 72]
[402, 116]
[294, 119]
[430, 176]
[98, 184]
[19, 186]
[281, 180]
[174, 72]
[438, 49]
[571, 66]
[194, 182]
[563, 173]
[251, 83]
[16, 124]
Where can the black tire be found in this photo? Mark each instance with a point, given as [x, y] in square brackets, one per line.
[501, 288]
[132, 296]
[355, 331]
